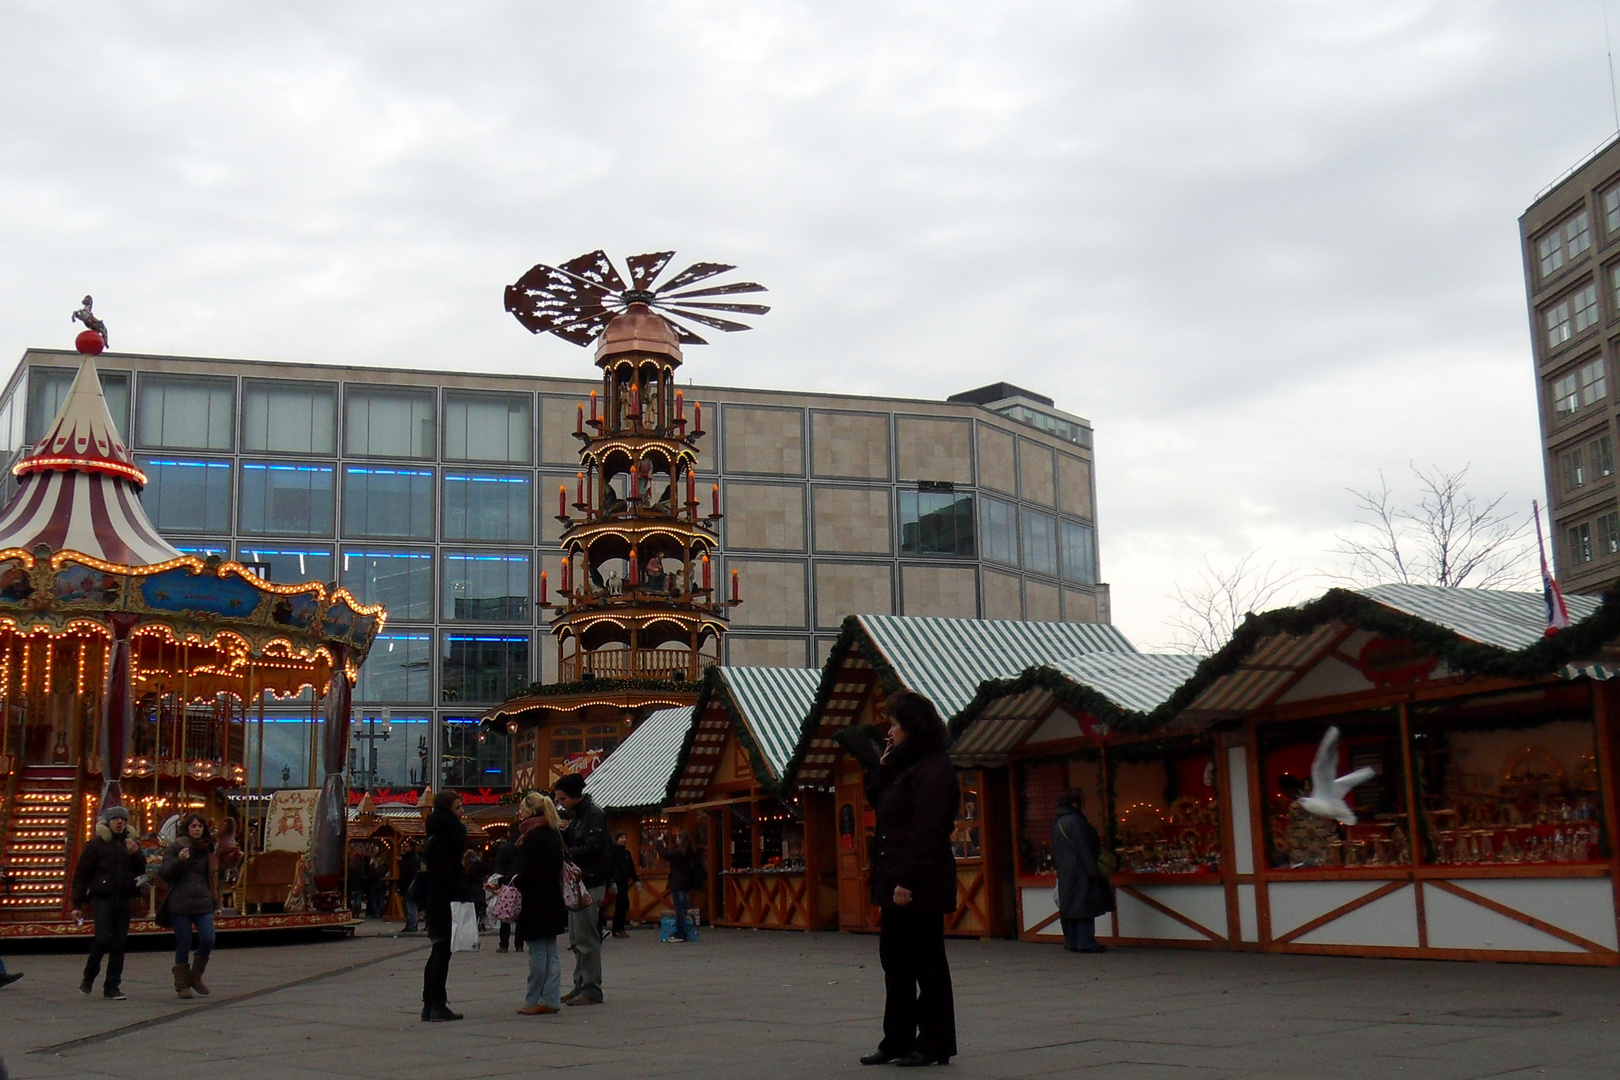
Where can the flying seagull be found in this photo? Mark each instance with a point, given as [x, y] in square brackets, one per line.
[1328, 791]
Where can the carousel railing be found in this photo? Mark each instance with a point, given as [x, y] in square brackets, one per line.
[660, 663]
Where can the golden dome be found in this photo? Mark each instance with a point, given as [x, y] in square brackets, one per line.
[638, 329]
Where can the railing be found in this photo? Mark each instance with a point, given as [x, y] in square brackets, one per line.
[661, 663]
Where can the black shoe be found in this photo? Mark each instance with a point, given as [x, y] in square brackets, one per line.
[917, 1057]
[1092, 948]
[112, 993]
[881, 1057]
[85, 988]
[427, 1012]
[8, 979]
[441, 1013]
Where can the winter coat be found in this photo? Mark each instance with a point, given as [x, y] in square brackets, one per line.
[506, 853]
[624, 869]
[682, 867]
[441, 858]
[410, 864]
[107, 867]
[1083, 889]
[588, 842]
[191, 881]
[916, 796]
[539, 881]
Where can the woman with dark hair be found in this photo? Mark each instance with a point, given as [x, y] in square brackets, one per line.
[682, 857]
[188, 867]
[442, 883]
[916, 797]
[1083, 889]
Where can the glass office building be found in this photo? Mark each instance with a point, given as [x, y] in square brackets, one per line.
[436, 494]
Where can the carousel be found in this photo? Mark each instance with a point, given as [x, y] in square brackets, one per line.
[639, 612]
[132, 674]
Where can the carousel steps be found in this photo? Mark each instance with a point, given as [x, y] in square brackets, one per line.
[36, 846]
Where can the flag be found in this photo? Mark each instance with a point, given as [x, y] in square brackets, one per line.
[1557, 610]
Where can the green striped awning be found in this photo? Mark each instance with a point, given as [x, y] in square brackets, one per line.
[772, 704]
[1136, 682]
[1507, 620]
[636, 775]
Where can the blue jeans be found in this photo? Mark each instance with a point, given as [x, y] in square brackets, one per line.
[682, 899]
[182, 936]
[545, 973]
[1080, 933]
[410, 916]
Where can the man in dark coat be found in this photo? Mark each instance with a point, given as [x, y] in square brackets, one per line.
[445, 881]
[506, 865]
[915, 794]
[410, 864]
[622, 876]
[105, 878]
[590, 847]
[1083, 889]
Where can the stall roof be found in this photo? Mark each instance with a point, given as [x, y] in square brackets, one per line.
[773, 703]
[1507, 620]
[636, 774]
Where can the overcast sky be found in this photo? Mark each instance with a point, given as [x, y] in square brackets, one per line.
[1268, 249]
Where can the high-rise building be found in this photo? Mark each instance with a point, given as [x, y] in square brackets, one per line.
[1571, 240]
[435, 493]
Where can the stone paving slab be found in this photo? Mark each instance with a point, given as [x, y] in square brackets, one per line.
[783, 1006]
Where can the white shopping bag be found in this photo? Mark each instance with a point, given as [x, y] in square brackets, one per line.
[463, 926]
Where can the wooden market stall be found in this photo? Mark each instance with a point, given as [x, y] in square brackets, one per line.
[767, 846]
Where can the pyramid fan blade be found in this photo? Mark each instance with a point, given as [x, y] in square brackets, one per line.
[741, 309]
[644, 269]
[708, 320]
[719, 290]
[695, 272]
[684, 333]
[595, 268]
[583, 331]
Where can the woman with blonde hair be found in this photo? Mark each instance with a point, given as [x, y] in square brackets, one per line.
[544, 915]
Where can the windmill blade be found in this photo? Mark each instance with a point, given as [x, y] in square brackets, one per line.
[719, 290]
[596, 268]
[708, 320]
[685, 334]
[695, 272]
[644, 269]
[584, 331]
[745, 309]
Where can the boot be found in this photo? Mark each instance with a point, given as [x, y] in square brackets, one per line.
[199, 964]
[182, 981]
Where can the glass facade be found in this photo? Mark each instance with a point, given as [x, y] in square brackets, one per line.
[486, 586]
[399, 669]
[469, 757]
[287, 564]
[401, 579]
[1040, 542]
[388, 502]
[185, 412]
[483, 668]
[495, 508]
[1079, 551]
[395, 754]
[187, 494]
[1000, 531]
[289, 417]
[387, 422]
[289, 498]
[488, 427]
[935, 523]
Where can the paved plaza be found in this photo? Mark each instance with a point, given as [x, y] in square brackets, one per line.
[784, 1005]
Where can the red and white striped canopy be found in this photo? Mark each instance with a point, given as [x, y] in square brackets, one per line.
[79, 487]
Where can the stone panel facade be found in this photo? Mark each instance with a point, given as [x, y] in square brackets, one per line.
[1002, 599]
[764, 517]
[950, 591]
[1074, 486]
[1041, 602]
[852, 589]
[772, 592]
[1035, 473]
[934, 449]
[744, 650]
[849, 445]
[852, 521]
[762, 439]
[996, 463]
[1079, 606]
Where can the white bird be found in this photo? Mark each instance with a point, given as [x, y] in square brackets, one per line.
[1328, 791]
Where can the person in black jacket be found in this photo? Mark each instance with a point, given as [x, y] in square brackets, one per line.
[916, 797]
[188, 867]
[505, 862]
[590, 847]
[1083, 889]
[446, 840]
[620, 879]
[682, 857]
[410, 864]
[105, 878]
[543, 915]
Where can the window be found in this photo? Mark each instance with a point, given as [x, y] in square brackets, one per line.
[1079, 550]
[1614, 286]
[488, 427]
[203, 551]
[1587, 312]
[486, 586]
[399, 668]
[496, 507]
[1550, 252]
[1594, 382]
[1000, 531]
[381, 422]
[1052, 425]
[388, 502]
[1557, 321]
[1611, 210]
[1040, 542]
[484, 667]
[1600, 457]
[1609, 534]
[1563, 242]
[13, 416]
[48, 389]
[289, 417]
[282, 497]
[1566, 396]
[1580, 544]
[399, 761]
[1303, 841]
[288, 565]
[284, 752]
[400, 579]
[187, 495]
[1577, 234]
[1572, 467]
[934, 523]
[190, 412]
[472, 755]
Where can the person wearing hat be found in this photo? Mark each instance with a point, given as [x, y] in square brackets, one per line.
[105, 880]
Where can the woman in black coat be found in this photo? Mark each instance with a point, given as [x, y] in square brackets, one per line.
[1083, 889]
[188, 867]
[915, 794]
[543, 915]
[443, 882]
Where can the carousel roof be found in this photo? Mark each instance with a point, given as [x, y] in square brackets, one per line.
[79, 488]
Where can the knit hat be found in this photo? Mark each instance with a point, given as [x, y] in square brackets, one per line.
[571, 785]
[113, 812]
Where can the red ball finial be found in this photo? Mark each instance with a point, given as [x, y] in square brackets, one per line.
[89, 343]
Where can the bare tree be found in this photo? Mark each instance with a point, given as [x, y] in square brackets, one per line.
[1449, 538]
[1209, 612]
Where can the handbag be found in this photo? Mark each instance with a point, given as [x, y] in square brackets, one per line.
[507, 905]
[463, 926]
[161, 916]
[576, 897]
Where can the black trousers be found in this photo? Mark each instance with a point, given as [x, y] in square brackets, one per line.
[621, 911]
[112, 932]
[436, 972]
[919, 1012]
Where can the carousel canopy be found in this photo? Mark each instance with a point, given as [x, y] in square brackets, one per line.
[79, 489]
